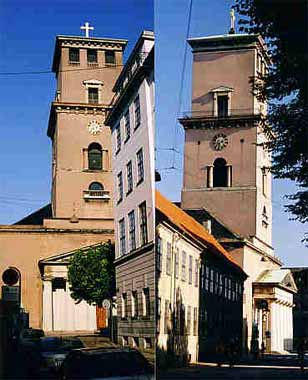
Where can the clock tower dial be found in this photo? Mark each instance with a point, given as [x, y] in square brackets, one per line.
[94, 127]
[220, 141]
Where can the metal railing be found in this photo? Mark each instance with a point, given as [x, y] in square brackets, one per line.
[232, 113]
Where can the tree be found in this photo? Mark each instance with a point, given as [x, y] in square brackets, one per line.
[91, 274]
[283, 25]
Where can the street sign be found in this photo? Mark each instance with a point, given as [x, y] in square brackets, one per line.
[10, 293]
[106, 304]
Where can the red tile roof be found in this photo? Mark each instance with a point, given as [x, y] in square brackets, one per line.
[188, 224]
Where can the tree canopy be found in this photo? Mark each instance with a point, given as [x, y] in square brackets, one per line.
[91, 274]
[283, 25]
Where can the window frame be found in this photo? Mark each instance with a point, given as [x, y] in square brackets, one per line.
[96, 90]
[120, 187]
[122, 237]
[127, 125]
[143, 223]
[137, 112]
[129, 177]
[70, 54]
[99, 152]
[89, 55]
[140, 166]
[112, 54]
[132, 230]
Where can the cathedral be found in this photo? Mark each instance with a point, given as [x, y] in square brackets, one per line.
[81, 212]
[227, 179]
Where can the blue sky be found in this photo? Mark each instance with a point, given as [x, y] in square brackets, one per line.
[208, 18]
[27, 36]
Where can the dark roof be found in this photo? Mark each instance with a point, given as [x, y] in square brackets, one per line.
[37, 217]
[218, 229]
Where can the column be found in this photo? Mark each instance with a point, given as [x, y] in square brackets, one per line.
[229, 175]
[47, 305]
[210, 175]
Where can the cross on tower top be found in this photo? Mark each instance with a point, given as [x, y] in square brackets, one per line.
[232, 21]
[86, 27]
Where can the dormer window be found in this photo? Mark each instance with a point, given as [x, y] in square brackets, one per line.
[110, 57]
[92, 56]
[222, 101]
[73, 55]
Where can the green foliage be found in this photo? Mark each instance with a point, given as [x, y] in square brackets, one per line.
[283, 25]
[91, 274]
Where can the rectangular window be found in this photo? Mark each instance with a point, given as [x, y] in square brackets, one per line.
[168, 259]
[158, 253]
[220, 284]
[196, 273]
[134, 304]
[190, 269]
[137, 111]
[118, 137]
[124, 306]
[207, 278]
[167, 322]
[93, 95]
[188, 320]
[176, 257]
[110, 57]
[92, 56]
[195, 327]
[140, 167]
[211, 281]
[143, 223]
[132, 230]
[73, 55]
[127, 125]
[122, 237]
[183, 266]
[222, 105]
[129, 175]
[146, 302]
[120, 187]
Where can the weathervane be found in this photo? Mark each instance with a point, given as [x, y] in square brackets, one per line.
[86, 27]
[232, 21]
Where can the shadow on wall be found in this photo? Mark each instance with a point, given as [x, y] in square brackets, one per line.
[175, 352]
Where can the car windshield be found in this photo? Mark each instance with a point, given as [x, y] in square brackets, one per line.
[32, 334]
[107, 364]
[60, 345]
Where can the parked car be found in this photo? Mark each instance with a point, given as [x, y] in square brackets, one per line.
[50, 353]
[106, 363]
[28, 337]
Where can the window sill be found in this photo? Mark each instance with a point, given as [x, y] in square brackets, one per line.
[110, 64]
[92, 63]
[127, 138]
[74, 63]
[94, 170]
[140, 181]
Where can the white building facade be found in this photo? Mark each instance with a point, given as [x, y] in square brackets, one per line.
[132, 124]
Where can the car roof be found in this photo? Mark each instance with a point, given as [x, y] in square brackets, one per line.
[98, 350]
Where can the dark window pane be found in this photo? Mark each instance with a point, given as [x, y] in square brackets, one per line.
[110, 57]
[220, 173]
[74, 55]
[92, 56]
[95, 157]
[222, 104]
[96, 186]
[93, 95]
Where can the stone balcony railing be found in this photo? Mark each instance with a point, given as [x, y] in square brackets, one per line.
[99, 195]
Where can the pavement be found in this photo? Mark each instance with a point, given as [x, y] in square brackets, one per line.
[271, 367]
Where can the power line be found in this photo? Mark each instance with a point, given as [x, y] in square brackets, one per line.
[182, 81]
[40, 72]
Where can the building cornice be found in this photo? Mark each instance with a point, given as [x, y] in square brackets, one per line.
[206, 121]
[136, 253]
[41, 229]
[74, 108]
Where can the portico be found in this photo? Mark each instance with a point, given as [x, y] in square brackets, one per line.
[60, 311]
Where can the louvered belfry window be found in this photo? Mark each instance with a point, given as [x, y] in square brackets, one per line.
[95, 157]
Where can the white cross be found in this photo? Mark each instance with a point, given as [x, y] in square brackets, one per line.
[87, 28]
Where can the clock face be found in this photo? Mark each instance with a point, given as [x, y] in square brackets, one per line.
[220, 141]
[94, 127]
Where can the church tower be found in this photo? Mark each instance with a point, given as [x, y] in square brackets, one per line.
[86, 69]
[226, 168]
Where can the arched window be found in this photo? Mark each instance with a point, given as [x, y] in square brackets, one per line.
[96, 186]
[220, 173]
[95, 156]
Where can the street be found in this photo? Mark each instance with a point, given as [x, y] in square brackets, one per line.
[283, 367]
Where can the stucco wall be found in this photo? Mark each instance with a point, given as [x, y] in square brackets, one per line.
[23, 247]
